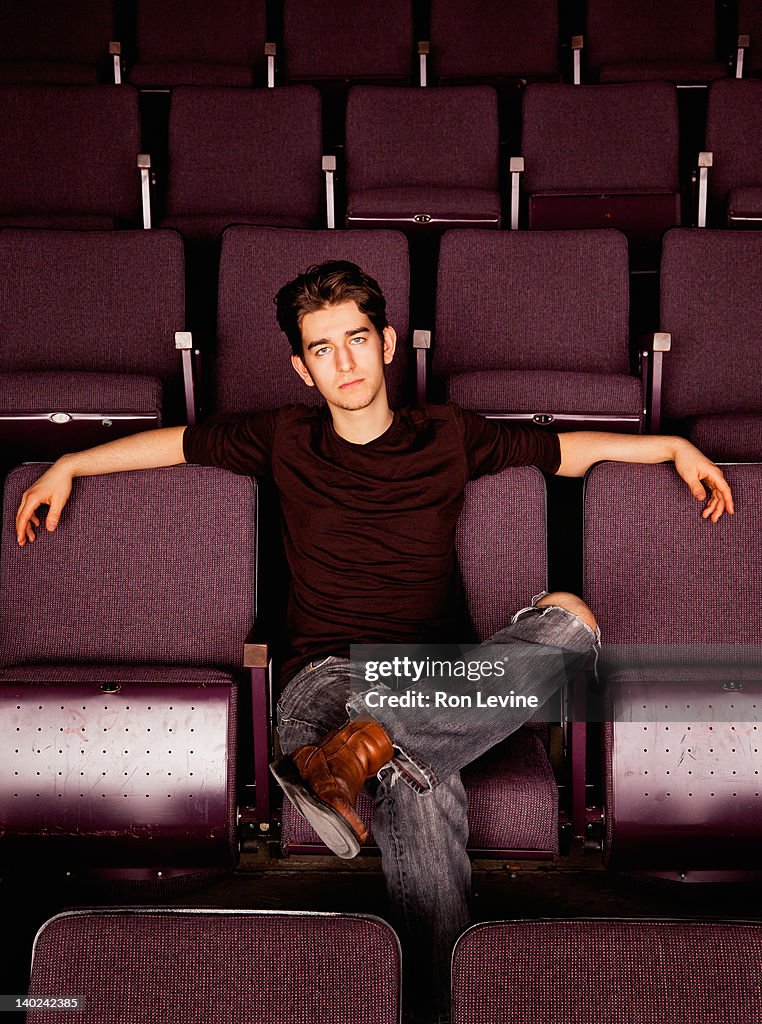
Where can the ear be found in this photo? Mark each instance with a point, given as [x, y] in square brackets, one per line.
[301, 369]
[389, 342]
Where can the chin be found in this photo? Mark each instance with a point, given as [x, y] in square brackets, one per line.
[353, 401]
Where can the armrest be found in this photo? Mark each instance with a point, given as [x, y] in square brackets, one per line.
[421, 344]
[516, 168]
[115, 52]
[742, 46]
[652, 349]
[424, 48]
[144, 166]
[704, 163]
[271, 52]
[329, 170]
[577, 45]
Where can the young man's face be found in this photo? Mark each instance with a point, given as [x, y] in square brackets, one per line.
[344, 356]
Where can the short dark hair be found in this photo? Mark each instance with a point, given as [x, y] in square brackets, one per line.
[327, 284]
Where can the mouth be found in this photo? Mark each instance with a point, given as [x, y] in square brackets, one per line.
[350, 383]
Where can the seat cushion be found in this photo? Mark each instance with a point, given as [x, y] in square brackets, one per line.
[729, 438]
[666, 70]
[512, 801]
[556, 391]
[167, 75]
[59, 221]
[48, 72]
[50, 391]
[745, 202]
[208, 228]
[458, 204]
[94, 672]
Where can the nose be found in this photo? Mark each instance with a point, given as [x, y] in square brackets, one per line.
[345, 359]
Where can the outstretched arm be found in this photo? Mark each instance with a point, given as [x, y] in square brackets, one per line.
[149, 450]
[581, 448]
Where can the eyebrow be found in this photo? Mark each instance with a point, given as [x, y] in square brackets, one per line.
[347, 334]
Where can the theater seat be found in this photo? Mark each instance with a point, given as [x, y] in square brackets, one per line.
[734, 138]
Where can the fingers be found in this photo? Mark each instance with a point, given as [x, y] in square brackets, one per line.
[722, 497]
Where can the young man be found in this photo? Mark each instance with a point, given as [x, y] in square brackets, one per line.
[370, 500]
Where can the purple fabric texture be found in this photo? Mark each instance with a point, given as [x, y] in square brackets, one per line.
[452, 203]
[750, 24]
[204, 228]
[620, 31]
[745, 202]
[729, 438]
[351, 39]
[614, 137]
[474, 40]
[170, 75]
[253, 356]
[152, 566]
[568, 972]
[711, 302]
[512, 801]
[94, 672]
[645, 538]
[59, 222]
[79, 392]
[228, 149]
[52, 73]
[734, 135]
[502, 526]
[662, 70]
[77, 32]
[526, 300]
[81, 157]
[536, 391]
[445, 138]
[91, 301]
[191, 966]
[223, 32]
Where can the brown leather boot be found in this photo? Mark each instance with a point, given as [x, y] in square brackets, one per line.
[322, 781]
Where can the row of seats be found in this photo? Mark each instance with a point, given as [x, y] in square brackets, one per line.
[132, 734]
[231, 43]
[198, 966]
[531, 326]
[414, 158]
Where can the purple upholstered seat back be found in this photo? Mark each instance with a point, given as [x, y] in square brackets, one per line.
[632, 30]
[189, 966]
[149, 567]
[445, 137]
[348, 39]
[750, 24]
[501, 546]
[226, 33]
[474, 40]
[611, 137]
[253, 365]
[711, 303]
[734, 135]
[69, 150]
[91, 301]
[251, 152]
[44, 34]
[526, 300]
[578, 972]
[657, 573]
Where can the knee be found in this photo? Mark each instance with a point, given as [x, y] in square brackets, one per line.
[571, 603]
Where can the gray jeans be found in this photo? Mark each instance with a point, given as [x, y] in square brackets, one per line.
[421, 827]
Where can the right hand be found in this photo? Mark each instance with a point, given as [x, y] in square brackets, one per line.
[52, 488]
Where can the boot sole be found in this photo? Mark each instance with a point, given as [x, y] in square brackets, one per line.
[335, 832]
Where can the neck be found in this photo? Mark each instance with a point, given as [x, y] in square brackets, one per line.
[362, 425]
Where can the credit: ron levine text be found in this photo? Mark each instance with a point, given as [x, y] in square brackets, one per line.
[442, 699]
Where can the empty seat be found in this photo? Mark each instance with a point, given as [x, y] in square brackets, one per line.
[734, 138]
[711, 306]
[533, 326]
[603, 156]
[629, 40]
[512, 792]
[253, 368]
[472, 42]
[88, 324]
[678, 599]
[220, 43]
[120, 701]
[750, 25]
[47, 41]
[68, 156]
[348, 41]
[579, 972]
[199, 966]
[422, 157]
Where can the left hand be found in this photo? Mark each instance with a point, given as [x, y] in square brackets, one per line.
[699, 473]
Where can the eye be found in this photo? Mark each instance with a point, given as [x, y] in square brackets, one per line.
[358, 338]
[322, 350]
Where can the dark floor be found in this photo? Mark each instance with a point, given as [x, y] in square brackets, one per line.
[576, 887]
